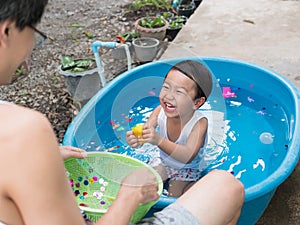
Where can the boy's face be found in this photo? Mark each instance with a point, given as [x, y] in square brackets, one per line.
[15, 47]
[177, 96]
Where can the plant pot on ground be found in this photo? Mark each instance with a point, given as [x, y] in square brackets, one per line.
[167, 15]
[145, 48]
[124, 38]
[186, 8]
[81, 77]
[175, 25]
[152, 26]
[197, 2]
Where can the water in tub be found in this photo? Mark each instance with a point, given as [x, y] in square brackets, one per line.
[248, 138]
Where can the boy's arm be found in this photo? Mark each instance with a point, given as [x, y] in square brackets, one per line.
[134, 141]
[186, 153]
[183, 153]
[152, 121]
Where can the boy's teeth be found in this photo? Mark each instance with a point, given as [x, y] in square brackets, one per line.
[169, 105]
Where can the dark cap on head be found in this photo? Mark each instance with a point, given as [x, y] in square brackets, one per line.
[198, 73]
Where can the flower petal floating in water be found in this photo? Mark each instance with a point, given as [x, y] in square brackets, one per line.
[261, 112]
[234, 103]
[113, 148]
[227, 93]
[115, 126]
[121, 128]
[250, 99]
[128, 119]
[152, 93]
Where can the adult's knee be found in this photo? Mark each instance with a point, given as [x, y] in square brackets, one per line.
[228, 182]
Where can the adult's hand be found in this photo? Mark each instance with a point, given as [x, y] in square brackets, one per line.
[72, 152]
[142, 183]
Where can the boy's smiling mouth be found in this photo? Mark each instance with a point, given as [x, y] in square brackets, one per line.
[169, 107]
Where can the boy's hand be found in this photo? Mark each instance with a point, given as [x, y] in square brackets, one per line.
[132, 140]
[151, 136]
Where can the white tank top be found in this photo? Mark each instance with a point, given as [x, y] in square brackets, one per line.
[162, 126]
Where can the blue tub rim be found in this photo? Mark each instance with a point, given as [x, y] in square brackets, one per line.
[262, 188]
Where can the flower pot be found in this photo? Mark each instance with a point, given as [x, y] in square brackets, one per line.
[81, 85]
[158, 33]
[145, 48]
[175, 25]
[167, 15]
[172, 33]
[197, 2]
[186, 9]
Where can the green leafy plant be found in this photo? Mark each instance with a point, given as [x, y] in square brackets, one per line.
[177, 22]
[124, 37]
[88, 35]
[78, 65]
[159, 4]
[167, 15]
[175, 25]
[152, 22]
[21, 71]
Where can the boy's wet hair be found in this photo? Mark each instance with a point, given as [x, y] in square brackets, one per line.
[198, 73]
[22, 12]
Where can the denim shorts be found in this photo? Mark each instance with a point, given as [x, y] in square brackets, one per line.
[174, 214]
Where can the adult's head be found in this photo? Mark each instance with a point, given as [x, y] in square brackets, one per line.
[18, 20]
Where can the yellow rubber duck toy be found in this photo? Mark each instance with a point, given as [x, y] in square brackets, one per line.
[137, 130]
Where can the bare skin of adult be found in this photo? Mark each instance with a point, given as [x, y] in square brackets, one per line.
[34, 188]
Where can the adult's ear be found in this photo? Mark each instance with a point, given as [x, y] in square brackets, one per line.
[5, 28]
[198, 102]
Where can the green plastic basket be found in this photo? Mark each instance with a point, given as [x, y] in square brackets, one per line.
[96, 181]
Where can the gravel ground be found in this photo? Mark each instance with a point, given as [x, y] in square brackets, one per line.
[44, 89]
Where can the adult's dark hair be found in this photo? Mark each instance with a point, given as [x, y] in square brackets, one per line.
[22, 12]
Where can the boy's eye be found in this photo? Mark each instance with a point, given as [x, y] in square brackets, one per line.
[180, 91]
[165, 86]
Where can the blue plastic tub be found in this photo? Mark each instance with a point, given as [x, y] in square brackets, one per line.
[261, 141]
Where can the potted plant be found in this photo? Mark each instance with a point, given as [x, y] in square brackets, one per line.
[167, 15]
[81, 77]
[152, 26]
[127, 37]
[175, 25]
[124, 38]
[186, 8]
[145, 48]
[197, 2]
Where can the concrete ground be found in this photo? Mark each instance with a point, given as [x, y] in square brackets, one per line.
[264, 32]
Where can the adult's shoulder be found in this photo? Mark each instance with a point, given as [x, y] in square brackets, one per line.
[16, 118]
